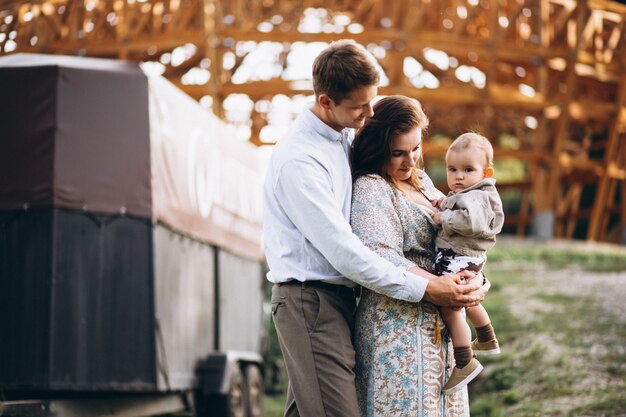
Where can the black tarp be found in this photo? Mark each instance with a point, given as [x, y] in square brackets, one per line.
[76, 261]
[74, 133]
[76, 301]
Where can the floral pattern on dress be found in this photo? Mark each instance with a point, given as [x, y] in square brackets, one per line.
[400, 369]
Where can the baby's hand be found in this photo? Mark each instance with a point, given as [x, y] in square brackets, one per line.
[426, 209]
[436, 216]
[437, 202]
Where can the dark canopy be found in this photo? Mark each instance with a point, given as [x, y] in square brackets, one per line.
[74, 134]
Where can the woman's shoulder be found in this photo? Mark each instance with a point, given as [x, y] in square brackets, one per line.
[371, 184]
[370, 181]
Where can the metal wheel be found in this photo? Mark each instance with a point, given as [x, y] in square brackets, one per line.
[254, 385]
[233, 404]
[236, 400]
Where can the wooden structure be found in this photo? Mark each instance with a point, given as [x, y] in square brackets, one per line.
[544, 79]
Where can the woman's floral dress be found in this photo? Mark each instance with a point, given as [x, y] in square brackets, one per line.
[401, 368]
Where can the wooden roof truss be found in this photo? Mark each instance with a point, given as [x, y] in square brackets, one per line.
[560, 62]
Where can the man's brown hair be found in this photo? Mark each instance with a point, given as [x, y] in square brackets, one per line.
[341, 68]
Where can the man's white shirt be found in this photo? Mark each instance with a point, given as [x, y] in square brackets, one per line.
[306, 230]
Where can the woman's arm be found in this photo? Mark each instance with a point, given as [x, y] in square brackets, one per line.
[375, 221]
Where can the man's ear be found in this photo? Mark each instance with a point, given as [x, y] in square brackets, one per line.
[489, 171]
[324, 101]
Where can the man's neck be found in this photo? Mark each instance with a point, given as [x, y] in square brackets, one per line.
[321, 114]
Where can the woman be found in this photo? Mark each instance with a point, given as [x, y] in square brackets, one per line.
[401, 362]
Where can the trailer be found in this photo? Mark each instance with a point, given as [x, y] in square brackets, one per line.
[131, 270]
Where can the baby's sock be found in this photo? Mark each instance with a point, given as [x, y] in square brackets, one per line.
[462, 356]
[485, 333]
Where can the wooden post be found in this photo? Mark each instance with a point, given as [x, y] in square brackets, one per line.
[212, 42]
[523, 213]
[610, 156]
[623, 202]
[545, 213]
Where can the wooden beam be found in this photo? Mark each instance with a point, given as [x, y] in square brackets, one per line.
[524, 213]
[185, 66]
[609, 209]
[551, 197]
[111, 47]
[622, 208]
[610, 154]
[211, 45]
[523, 154]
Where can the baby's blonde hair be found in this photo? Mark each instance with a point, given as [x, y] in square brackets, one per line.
[471, 139]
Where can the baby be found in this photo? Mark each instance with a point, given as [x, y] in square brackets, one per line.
[470, 218]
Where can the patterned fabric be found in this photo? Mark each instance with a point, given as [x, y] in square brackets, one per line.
[448, 261]
[400, 369]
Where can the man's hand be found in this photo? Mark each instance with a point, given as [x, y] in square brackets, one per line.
[451, 291]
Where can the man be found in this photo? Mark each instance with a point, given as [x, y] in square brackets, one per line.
[314, 258]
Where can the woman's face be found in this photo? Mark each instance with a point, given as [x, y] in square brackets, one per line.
[405, 152]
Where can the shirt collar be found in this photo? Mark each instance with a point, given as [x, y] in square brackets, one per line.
[322, 128]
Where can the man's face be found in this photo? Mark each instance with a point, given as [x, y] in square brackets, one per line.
[353, 109]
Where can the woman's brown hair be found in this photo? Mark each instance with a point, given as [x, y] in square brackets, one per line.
[371, 149]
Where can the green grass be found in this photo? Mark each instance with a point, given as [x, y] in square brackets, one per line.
[611, 403]
[558, 255]
[497, 304]
[547, 340]
[547, 354]
[273, 405]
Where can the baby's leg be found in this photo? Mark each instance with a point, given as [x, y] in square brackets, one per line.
[486, 341]
[461, 335]
[459, 330]
[478, 316]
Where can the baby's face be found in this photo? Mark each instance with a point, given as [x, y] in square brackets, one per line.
[464, 168]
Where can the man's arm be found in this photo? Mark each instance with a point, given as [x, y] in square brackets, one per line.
[306, 197]
[377, 223]
[304, 190]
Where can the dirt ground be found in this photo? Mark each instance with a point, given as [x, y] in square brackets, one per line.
[608, 291]
[594, 317]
